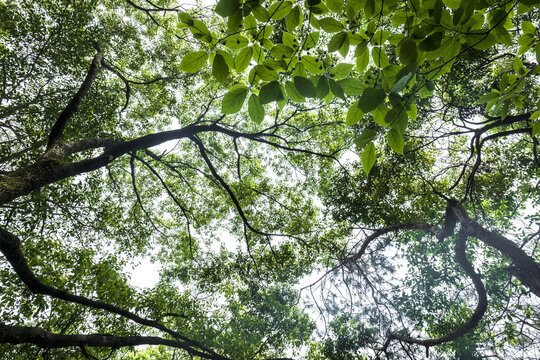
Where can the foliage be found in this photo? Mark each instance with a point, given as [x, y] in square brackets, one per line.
[316, 179]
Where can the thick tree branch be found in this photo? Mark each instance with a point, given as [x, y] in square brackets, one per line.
[44, 339]
[10, 247]
[58, 128]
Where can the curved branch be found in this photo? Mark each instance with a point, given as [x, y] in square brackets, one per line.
[10, 247]
[38, 336]
[481, 306]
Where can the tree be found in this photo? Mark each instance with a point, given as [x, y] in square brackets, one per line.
[267, 105]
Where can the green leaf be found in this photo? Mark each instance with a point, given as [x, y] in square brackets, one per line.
[371, 98]
[432, 42]
[537, 51]
[293, 19]
[535, 115]
[234, 99]
[323, 88]
[255, 109]
[311, 40]
[270, 92]
[352, 86]
[341, 70]
[488, 97]
[281, 51]
[280, 9]
[227, 7]
[368, 157]
[293, 93]
[379, 57]
[265, 73]
[220, 70]
[260, 13]
[408, 54]
[243, 59]
[365, 138]
[193, 61]
[305, 87]
[185, 18]
[362, 57]
[518, 66]
[354, 114]
[337, 41]
[330, 25]
[335, 5]
[395, 141]
[312, 64]
[336, 89]
[536, 128]
[400, 84]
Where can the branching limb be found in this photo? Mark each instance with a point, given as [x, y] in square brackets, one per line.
[10, 247]
[44, 339]
[473, 321]
[58, 128]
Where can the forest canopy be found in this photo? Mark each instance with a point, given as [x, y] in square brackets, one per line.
[338, 179]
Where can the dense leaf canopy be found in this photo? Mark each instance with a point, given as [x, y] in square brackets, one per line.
[338, 179]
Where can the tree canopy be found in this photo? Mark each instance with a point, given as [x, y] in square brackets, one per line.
[338, 179]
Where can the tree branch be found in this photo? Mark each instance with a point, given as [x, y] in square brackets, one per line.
[58, 128]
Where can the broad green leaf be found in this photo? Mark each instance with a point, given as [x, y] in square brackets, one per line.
[362, 57]
[311, 40]
[260, 13]
[243, 59]
[535, 115]
[220, 70]
[234, 99]
[536, 128]
[193, 61]
[537, 52]
[400, 84]
[330, 25]
[368, 157]
[354, 114]
[265, 73]
[322, 87]
[335, 5]
[312, 64]
[341, 70]
[305, 87]
[408, 54]
[337, 42]
[293, 93]
[200, 31]
[365, 138]
[432, 42]
[227, 7]
[371, 98]
[395, 141]
[518, 66]
[293, 20]
[379, 57]
[352, 86]
[488, 97]
[236, 42]
[397, 119]
[185, 18]
[270, 92]
[336, 89]
[255, 109]
[281, 51]
[280, 9]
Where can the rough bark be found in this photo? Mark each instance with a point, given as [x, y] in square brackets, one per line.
[38, 336]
